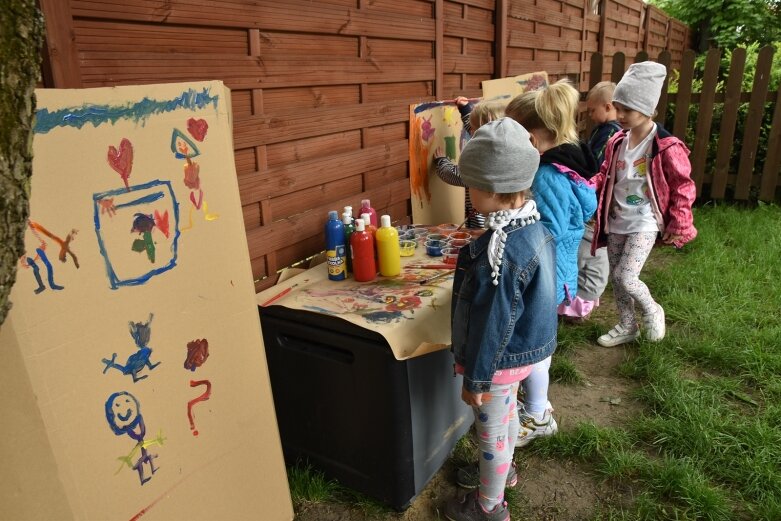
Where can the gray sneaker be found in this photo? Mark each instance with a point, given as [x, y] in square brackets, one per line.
[532, 428]
[469, 509]
[469, 477]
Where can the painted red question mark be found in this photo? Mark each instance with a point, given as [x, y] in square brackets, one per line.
[202, 398]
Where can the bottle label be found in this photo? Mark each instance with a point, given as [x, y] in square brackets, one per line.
[336, 263]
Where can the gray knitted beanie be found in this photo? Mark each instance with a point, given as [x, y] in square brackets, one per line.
[641, 87]
[499, 158]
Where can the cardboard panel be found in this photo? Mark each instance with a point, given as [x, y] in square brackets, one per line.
[138, 373]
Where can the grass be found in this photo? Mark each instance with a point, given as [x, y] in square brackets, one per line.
[708, 445]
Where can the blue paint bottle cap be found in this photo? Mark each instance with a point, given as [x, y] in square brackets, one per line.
[333, 215]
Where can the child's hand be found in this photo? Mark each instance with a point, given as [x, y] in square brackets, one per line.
[462, 101]
[670, 238]
[438, 152]
[471, 399]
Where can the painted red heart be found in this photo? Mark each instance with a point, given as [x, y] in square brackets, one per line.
[197, 128]
[121, 160]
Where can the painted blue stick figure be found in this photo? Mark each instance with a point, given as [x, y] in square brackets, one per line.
[123, 413]
[141, 332]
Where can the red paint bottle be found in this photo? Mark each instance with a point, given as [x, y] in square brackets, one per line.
[366, 207]
[362, 252]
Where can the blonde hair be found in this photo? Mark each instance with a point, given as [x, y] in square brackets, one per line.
[602, 92]
[552, 108]
[484, 112]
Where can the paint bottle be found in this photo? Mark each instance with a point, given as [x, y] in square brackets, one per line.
[349, 211]
[335, 252]
[362, 252]
[366, 207]
[388, 251]
[349, 228]
[370, 228]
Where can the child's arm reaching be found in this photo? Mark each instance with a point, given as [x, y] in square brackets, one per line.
[446, 169]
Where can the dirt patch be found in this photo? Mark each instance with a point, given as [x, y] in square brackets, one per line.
[548, 489]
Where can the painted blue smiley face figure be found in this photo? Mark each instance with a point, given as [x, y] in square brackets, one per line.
[123, 413]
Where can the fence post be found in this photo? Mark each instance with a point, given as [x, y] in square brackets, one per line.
[501, 38]
[439, 46]
[756, 107]
[729, 118]
[602, 26]
[773, 157]
[683, 98]
[62, 56]
[705, 118]
[617, 67]
[661, 108]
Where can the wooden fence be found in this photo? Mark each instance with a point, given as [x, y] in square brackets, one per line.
[321, 88]
[719, 117]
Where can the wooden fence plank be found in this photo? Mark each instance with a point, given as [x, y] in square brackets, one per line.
[684, 95]
[753, 124]
[275, 128]
[292, 177]
[292, 15]
[770, 172]
[661, 107]
[502, 37]
[439, 32]
[729, 118]
[702, 132]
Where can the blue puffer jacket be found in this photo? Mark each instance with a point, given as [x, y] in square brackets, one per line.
[566, 201]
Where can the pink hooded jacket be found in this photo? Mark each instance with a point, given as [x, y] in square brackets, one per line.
[670, 183]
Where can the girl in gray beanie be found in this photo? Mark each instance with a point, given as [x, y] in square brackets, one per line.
[645, 191]
[503, 311]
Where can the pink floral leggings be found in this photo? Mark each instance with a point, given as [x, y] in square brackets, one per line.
[627, 254]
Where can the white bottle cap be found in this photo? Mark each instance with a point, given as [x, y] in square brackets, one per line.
[365, 203]
[359, 227]
[366, 218]
[385, 221]
[346, 219]
[348, 210]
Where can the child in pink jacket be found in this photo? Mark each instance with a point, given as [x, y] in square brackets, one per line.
[644, 189]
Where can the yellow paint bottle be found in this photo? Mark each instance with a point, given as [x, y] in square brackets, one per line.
[388, 251]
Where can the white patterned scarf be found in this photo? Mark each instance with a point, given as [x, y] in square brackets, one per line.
[525, 215]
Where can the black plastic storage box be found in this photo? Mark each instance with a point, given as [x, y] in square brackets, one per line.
[344, 403]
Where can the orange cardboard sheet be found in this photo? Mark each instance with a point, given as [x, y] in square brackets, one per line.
[134, 380]
[434, 125]
[414, 318]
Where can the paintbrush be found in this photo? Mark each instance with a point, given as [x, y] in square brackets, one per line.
[471, 213]
[434, 278]
[278, 295]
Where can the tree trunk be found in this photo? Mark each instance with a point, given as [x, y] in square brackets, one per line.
[21, 34]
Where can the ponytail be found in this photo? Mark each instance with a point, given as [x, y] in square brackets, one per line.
[552, 108]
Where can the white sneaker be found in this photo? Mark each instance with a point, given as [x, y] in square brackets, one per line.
[654, 325]
[617, 336]
[532, 428]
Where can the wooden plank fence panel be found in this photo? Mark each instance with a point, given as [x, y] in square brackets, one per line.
[770, 173]
[684, 95]
[702, 132]
[729, 120]
[753, 124]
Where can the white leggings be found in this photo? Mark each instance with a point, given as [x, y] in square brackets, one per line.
[535, 388]
[627, 254]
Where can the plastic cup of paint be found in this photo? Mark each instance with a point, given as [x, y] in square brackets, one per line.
[434, 248]
[447, 228]
[436, 237]
[407, 247]
[419, 233]
[459, 243]
[406, 235]
[456, 236]
[450, 255]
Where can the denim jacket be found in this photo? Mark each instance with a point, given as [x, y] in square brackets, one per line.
[514, 323]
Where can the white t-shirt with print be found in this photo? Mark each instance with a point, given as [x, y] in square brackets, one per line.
[630, 208]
